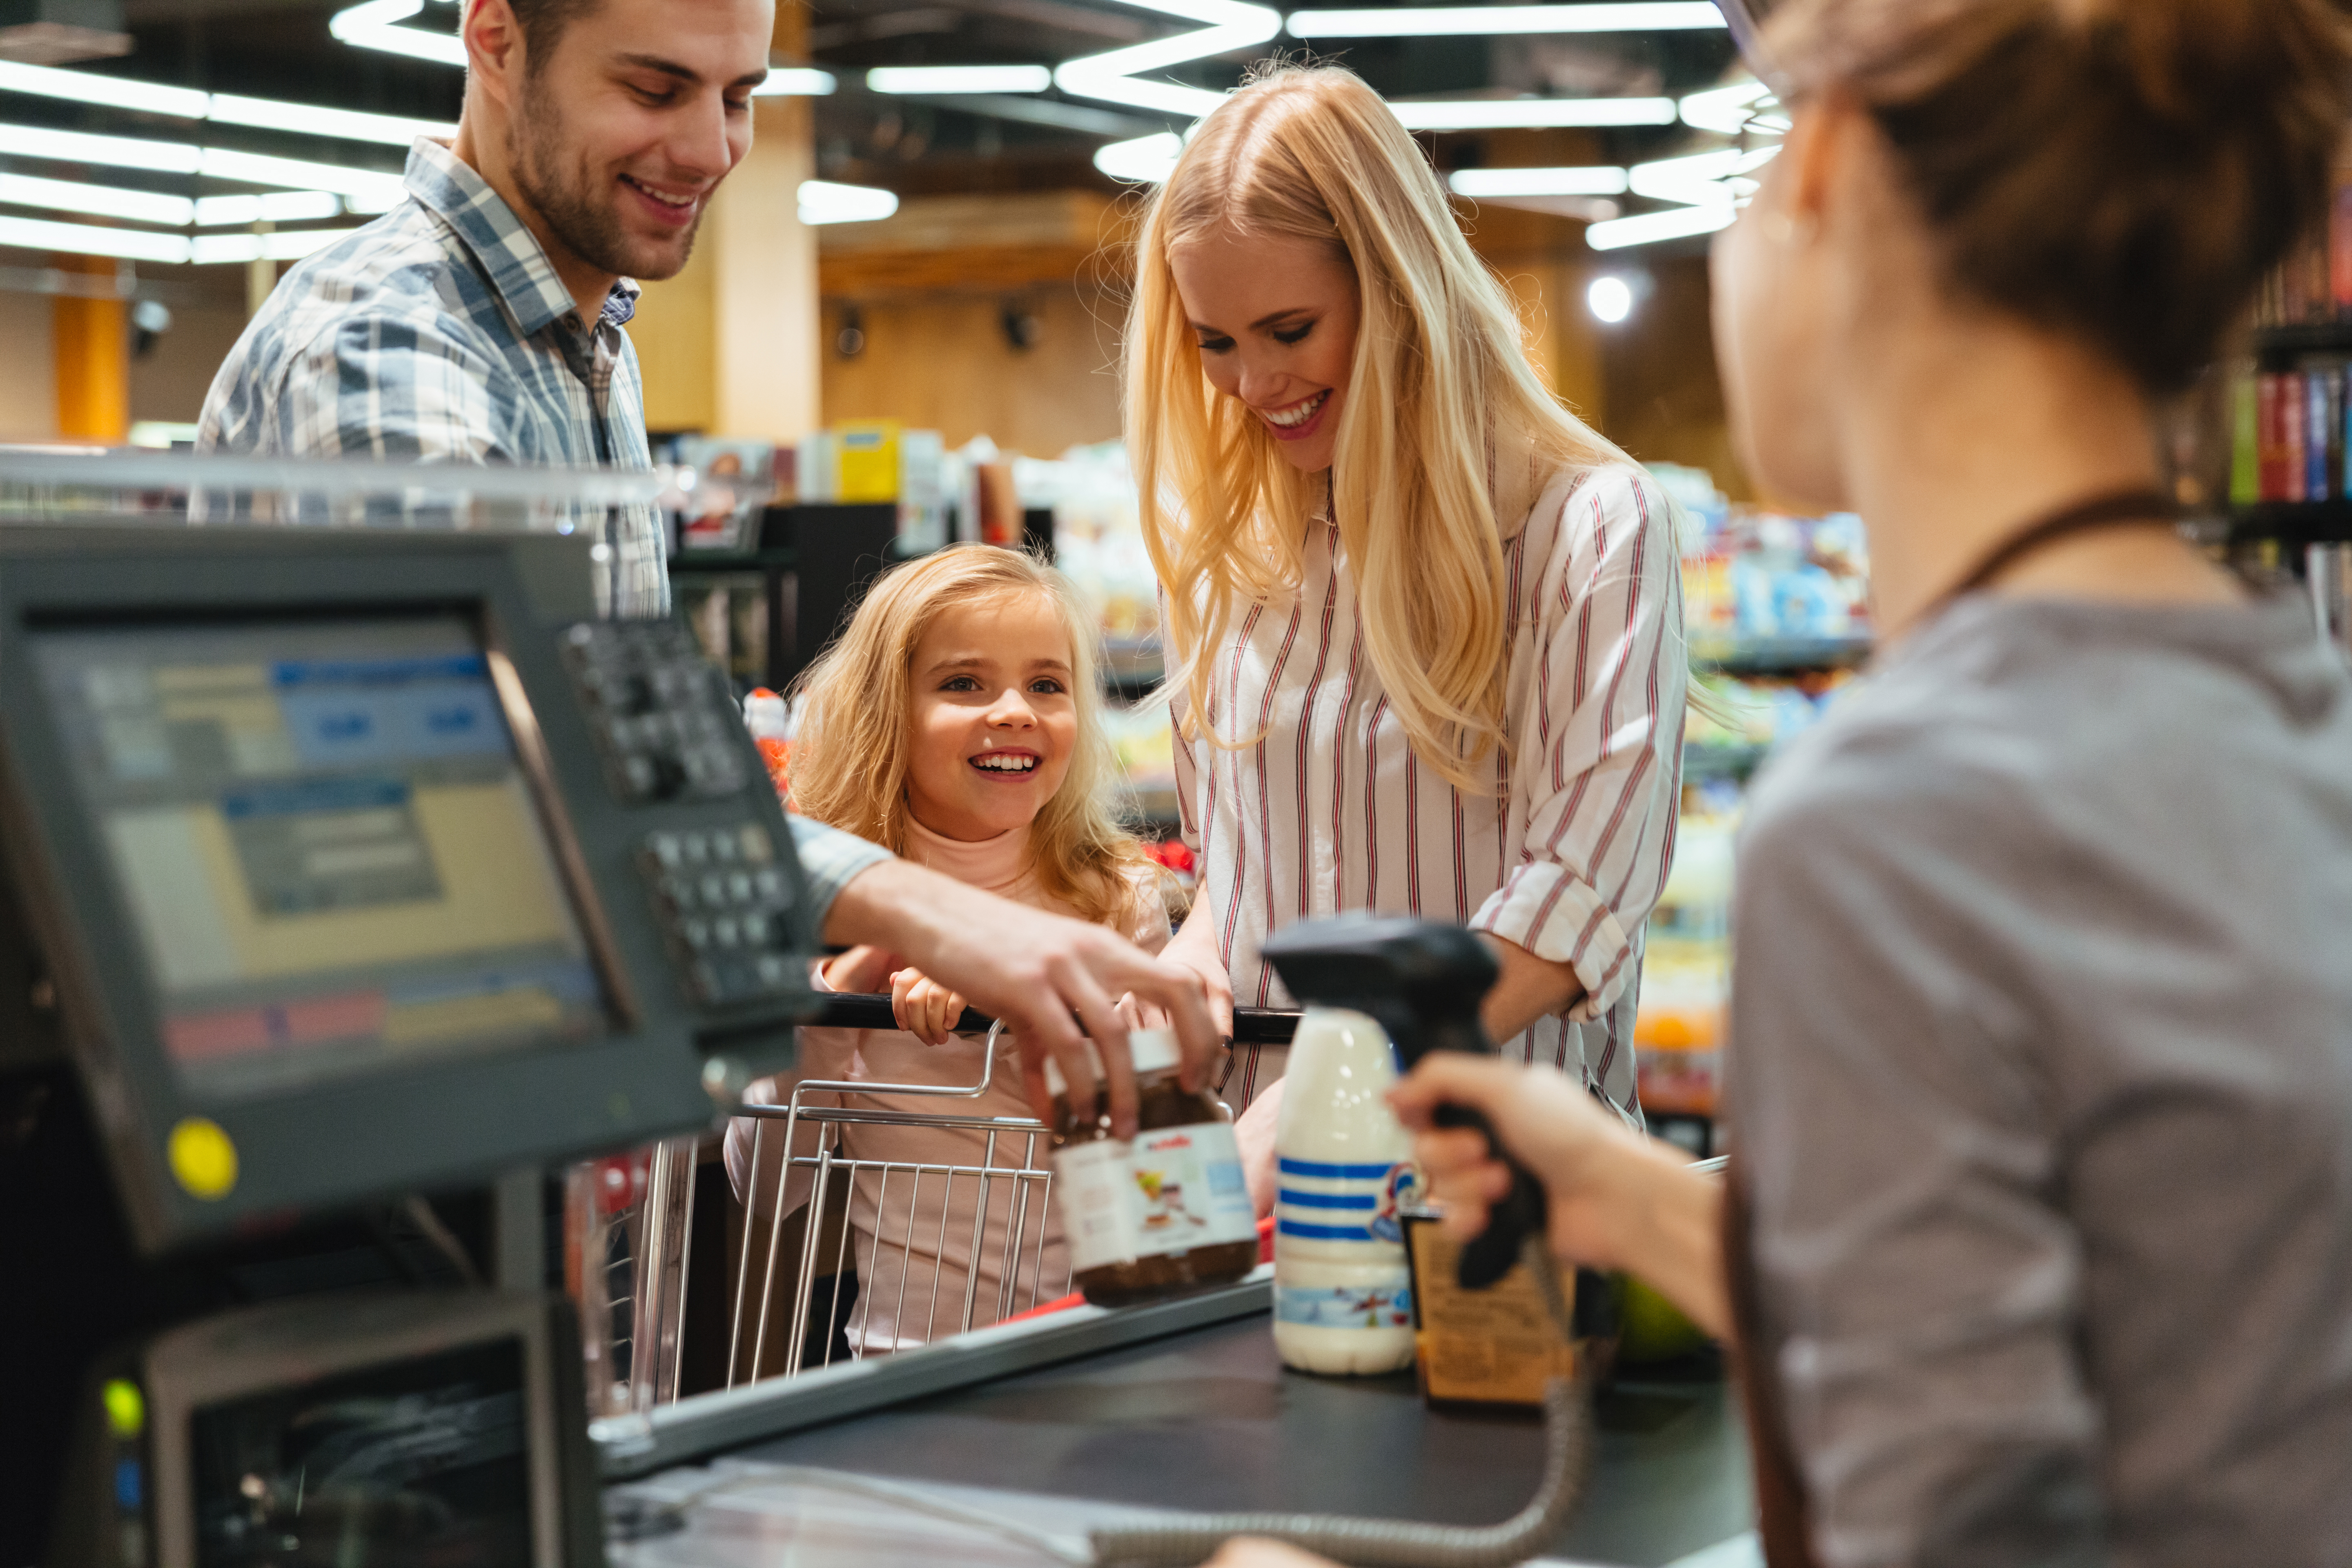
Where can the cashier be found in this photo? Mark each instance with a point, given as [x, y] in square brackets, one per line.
[2040, 1229]
[480, 320]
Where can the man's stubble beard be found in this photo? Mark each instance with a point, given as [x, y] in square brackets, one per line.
[562, 194]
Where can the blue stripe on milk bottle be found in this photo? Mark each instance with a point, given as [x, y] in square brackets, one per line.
[1342, 1291]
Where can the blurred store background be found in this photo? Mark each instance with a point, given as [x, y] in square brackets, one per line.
[900, 323]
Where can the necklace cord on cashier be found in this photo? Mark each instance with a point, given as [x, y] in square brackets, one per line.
[2141, 508]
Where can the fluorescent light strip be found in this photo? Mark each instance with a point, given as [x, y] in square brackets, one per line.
[1724, 109]
[211, 249]
[1506, 113]
[824, 201]
[376, 190]
[1702, 179]
[1588, 181]
[1456, 21]
[101, 201]
[1649, 228]
[115, 152]
[310, 120]
[278, 206]
[376, 26]
[1144, 161]
[1110, 75]
[960, 78]
[110, 92]
[85, 240]
[795, 81]
[186, 104]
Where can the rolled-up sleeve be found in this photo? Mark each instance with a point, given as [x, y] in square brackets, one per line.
[830, 860]
[1598, 679]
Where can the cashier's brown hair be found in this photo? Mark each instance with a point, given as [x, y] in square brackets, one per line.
[2122, 170]
[1440, 373]
[848, 765]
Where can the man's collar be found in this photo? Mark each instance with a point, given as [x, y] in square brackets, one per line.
[519, 269]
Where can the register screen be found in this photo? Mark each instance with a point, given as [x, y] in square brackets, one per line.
[325, 841]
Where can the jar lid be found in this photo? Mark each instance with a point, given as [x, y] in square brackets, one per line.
[1151, 1050]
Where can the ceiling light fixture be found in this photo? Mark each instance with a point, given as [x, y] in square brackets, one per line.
[278, 206]
[796, 81]
[87, 240]
[107, 91]
[1728, 109]
[363, 190]
[1530, 113]
[310, 120]
[1144, 161]
[113, 151]
[211, 249]
[375, 25]
[1111, 77]
[1703, 179]
[824, 201]
[1590, 181]
[952, 79]
[1649, 228]
[1610, 299]
[101, 201]
[1457, 21]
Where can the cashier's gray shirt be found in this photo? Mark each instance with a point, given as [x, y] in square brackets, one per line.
[2042, 1016]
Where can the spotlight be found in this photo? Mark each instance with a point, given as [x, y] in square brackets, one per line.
[1611, 299]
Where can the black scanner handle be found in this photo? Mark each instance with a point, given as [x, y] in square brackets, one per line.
[1423, 982]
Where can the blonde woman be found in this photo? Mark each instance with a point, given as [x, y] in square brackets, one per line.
[959, 723]
[1423, 625]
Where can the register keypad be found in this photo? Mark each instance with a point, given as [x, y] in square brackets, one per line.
[722, 903]
[662, 715]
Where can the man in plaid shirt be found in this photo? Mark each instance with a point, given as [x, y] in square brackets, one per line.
[480, 321]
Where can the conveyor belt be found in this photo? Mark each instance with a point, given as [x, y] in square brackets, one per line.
[1208, 1419]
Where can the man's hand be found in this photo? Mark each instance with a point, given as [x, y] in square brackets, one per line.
[1250, 1552]
[924, 1008]
[1617, 1199]
[1034, 970]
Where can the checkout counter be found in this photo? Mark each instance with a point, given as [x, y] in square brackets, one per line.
[335, 873]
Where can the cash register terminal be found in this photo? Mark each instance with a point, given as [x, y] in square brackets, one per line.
[340, 866]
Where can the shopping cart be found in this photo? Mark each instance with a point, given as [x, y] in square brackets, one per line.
[791, 1306]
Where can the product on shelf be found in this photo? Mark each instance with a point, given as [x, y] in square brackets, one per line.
[734, 480]
[1681, 1027]
[2289, 435]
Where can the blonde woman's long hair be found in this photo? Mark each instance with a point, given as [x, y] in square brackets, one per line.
[857, 701]
[1440, 387]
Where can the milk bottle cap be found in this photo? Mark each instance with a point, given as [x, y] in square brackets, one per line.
[1153, 1050]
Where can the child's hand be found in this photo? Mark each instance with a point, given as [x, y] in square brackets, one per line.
[924, 1008]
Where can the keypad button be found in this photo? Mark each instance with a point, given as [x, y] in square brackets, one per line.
[724, 848]
[757, 848]
[713, 889]
[665, 849]
[769, 884]
[727, 932]
[695, 933]
[772, 971]
[757, 930]
[739, 886]
[696, 846]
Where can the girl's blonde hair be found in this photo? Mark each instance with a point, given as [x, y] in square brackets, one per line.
[1440, 384]
[849, 753]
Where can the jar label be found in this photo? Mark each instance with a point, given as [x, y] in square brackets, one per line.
[1172, 1190]
[1387, 1304]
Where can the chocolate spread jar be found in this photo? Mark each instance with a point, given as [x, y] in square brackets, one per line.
[1164, 1214]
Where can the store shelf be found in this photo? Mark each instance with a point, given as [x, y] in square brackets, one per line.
[2281, 345]
[1701, 762]
[1777, 655]
[2294, 523]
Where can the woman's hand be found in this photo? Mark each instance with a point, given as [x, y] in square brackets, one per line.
[1616, 1199]
[924, 1008]
[1196, 947]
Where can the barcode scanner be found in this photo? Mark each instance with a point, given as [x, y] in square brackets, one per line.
[1422, 982]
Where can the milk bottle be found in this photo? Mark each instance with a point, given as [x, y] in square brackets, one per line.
[1342, 1291]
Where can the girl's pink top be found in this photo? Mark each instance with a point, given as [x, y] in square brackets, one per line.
[912, 1271]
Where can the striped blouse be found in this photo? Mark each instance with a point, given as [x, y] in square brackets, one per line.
[1331, 812]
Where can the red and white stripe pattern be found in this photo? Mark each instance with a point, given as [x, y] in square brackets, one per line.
[1330, 813]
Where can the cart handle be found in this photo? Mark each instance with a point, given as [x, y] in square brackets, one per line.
[851, 1010]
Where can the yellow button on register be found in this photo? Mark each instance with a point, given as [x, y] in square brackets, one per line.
[203, 1158]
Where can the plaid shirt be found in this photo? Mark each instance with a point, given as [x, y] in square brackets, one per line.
[441, 332]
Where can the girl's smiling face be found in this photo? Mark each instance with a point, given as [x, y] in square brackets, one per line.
[996, 720]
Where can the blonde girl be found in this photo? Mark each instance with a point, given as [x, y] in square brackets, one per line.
[956, 722]
[1423, 623]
